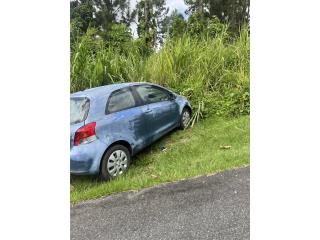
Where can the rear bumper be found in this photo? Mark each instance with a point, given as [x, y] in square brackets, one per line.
[85, 159]
[80, 167]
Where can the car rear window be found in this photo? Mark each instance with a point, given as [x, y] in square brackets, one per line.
[79, 108]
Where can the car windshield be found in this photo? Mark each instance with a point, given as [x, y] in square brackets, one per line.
[79, 108]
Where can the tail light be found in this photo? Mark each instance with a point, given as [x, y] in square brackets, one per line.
[85, 134]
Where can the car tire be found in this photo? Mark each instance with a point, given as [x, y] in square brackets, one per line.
[185, 118]
[115, 162]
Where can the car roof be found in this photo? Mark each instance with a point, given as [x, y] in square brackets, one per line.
[107, 89]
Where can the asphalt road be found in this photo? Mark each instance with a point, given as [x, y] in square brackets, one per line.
[208, 207]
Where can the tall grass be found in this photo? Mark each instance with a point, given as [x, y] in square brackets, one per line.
[212, 72]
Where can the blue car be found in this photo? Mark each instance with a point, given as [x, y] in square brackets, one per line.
[110, 124]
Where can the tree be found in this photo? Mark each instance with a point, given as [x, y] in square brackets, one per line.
[81, 14]
[151, 16]
[176, 24]
[160, 15]
[197, 24]
[119, 35]
[109, 12]
[234, 12]
[199, 6]
[146, 28]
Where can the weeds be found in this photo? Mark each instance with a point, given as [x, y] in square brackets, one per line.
[213, 72]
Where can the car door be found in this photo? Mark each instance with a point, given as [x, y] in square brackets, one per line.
[124, 119]
[161, 110]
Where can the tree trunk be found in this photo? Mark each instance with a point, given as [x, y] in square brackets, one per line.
[201, 7]
[146, 20]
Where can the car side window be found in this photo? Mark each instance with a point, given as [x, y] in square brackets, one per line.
[151, 94]
[120, 100]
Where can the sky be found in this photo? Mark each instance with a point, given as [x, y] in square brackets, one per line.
[172, 4]
[177, 4]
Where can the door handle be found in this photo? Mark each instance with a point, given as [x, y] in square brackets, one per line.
[148, 110]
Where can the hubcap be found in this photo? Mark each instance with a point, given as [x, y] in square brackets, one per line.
[117, 163]
[185, 118]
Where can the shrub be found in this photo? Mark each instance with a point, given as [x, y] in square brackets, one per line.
[212, 70]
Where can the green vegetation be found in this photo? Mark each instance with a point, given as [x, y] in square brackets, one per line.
[205, 57]
[214, 145]
[213, 72]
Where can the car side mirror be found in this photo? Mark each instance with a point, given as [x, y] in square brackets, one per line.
[172, 97]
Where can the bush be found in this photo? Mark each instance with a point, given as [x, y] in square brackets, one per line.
[212, 70]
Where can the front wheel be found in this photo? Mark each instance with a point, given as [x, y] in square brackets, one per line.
[185, 118]
[115, 162]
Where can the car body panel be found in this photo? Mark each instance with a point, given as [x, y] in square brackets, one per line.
[127, 125]
[85, 158]
[138, 126]
[164, 116]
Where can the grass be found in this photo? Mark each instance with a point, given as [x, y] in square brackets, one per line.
[200, 150]
[212, 72]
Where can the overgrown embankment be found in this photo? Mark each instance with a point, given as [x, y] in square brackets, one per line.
[211, 70]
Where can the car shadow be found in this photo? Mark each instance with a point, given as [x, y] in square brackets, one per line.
[158, 145]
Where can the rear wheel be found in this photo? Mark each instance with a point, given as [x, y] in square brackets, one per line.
[115, 162]
[185, 118]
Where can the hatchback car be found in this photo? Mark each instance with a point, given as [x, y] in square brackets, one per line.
[110, 124]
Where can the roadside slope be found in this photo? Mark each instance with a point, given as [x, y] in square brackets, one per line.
[210, 146]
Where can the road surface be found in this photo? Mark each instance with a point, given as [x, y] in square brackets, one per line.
[208, 207]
